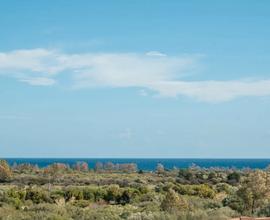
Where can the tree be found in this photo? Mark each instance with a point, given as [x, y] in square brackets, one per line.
[98, 166]
[25, 167]
[160, 168]
[81, 166]
[109, 166]
[128, 167]
[172, 202]
[84, 167]
[255, 190]
[5, 171]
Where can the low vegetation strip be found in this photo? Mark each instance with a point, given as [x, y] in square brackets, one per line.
[121, 191]
[251, 218]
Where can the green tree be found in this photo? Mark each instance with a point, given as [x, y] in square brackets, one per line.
[255, 190]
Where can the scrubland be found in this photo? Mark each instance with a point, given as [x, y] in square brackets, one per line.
[116, 192]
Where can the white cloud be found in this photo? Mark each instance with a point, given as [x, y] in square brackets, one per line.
[95, 69]
[153, 71]
[213, 91]
[128, 70]
[156, 53]
[36, 60]
[39, 81]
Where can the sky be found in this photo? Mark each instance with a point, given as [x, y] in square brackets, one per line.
[135, 78]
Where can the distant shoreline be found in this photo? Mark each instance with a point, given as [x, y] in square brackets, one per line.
[151, 163]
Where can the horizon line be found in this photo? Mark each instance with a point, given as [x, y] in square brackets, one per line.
[162, 158]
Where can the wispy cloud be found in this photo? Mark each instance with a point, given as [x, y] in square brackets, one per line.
[153, 71]
[39, 81]
[94, 69]
[214, 91]
[156, 53]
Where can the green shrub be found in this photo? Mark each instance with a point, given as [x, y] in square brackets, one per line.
[16, 193]
[113, 193]
[37, 196]
[81, 203]
[203, 190]
[89, 193]
[74, 192]
[15, 202]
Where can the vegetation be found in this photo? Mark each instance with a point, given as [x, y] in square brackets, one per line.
[120, 191]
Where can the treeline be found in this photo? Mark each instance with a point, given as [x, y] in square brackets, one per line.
[78, 166]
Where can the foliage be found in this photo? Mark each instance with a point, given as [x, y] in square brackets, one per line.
[173, 202]
[119, 191]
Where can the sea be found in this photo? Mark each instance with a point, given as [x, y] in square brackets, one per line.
[150, 164]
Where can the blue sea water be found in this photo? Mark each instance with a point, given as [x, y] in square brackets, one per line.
[150, 164]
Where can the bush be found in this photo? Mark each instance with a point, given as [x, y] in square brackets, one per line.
[89, 193]
[234, 178]
[81, 203]
[234, 203]
[37, 196]
[15, 202]
[16, 193]
[203, 190]
[128, 195]
[74, 192]
[113, 193]
[172, 202]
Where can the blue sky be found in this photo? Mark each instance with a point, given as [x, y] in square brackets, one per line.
[134, 78]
